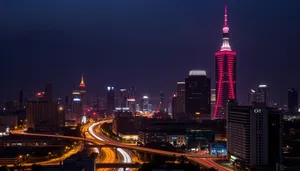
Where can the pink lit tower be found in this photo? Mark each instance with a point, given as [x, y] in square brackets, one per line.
[225, 73]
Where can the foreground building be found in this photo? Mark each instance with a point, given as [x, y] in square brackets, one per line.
[254, 135]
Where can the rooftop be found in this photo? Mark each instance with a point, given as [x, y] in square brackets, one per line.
[197, 73]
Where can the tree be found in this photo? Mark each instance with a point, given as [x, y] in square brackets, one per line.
[3, 168]
[36, 167]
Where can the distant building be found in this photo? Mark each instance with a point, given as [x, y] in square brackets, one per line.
[197, 95]
[123, 98]
[212, 101]
[21, 100]
[145, 104]
[82, 88]
[48, 92]
[110, 99]
[178, 101]
[293, 100]
[251, 96]
[162, 101]
[254, 135]
[44, 116]
[262, 94]
[76, 107]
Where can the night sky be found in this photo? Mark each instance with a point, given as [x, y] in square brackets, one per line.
[149, 43]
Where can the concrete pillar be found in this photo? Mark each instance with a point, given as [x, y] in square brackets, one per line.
[152, 156]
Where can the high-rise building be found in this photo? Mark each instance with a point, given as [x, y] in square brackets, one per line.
[262, 95]
[82, 88]
[212, 101]
[225, 72]
[110, 99]
[162, 101]
[44, 115]
[251, 96]
[145, 104]
[132, 92]
[181, 97]
[76, 106]
[123, 98]
[197, 95]
[48, 92]
[21, 100]
[254, 135]
[293, 100]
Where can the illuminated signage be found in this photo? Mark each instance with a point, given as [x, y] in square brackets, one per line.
[257, 111]
[76, 99]
[197, 113]
[131, 100]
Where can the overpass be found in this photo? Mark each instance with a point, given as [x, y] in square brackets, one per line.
[118, 165]
[115, 144]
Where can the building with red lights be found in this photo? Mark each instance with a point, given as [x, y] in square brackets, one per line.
[82, 89]
[225, 73]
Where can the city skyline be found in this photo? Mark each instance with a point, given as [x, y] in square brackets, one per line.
[101, 56]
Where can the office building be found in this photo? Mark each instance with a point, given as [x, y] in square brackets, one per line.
[82, 88]
[110, 99]
[293, 100]
[162, 101]
[251, 96]
[212, 101]
[123, 98]
[21, 100]
[132, 92]
[48, 92]
[145, 104]
[131, 104]
[197, 95]
[76, 107]
[262, 95]
[225, 72]
[44, 116]
[254, 135]
[181, 97]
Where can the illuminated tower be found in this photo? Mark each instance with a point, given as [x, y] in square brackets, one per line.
[82, 89]
[225, 73]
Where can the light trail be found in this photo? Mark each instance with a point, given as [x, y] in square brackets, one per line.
[91, 130]
[126, 157]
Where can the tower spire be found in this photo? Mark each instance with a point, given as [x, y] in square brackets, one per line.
[225, 45]
[82, 84]
[225, 16]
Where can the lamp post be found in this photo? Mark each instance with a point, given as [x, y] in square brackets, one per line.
[49, 153]
[26, 156]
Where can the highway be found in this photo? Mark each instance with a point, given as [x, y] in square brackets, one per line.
[97, 134]
[191, 156]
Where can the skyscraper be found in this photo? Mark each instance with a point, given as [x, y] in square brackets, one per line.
[181, 97]
[254, 135]
[145, 104]
[262, 95]
[197, 94]
[251, 96]
[82, 89]
[21, 99]
[225, 72]
[110, 99]
[161, 101]
[48, 92]
[212, 101]
[293, 100]
[132, 92]
[123, 98]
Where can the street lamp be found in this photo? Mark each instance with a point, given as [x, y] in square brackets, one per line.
[27, 155]
[49, 153]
